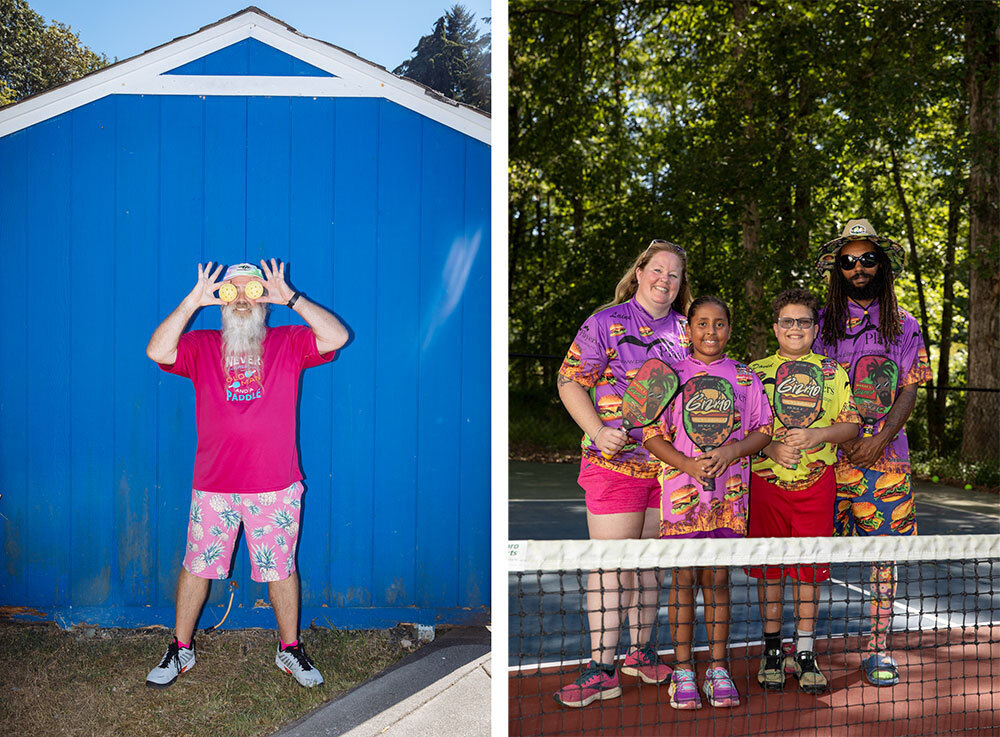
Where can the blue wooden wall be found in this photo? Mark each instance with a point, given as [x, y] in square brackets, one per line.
[383, 217]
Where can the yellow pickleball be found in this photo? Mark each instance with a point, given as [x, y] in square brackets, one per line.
[227, 292]
[253, 290]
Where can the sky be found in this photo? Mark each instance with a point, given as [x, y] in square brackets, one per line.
[381, 31]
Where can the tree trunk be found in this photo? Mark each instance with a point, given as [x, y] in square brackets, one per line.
[980, 440]
[934, 420]
[939, 400]
[750, 216]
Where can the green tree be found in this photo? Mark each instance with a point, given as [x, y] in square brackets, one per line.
[748, 133]
[453, 59]
[35, 57]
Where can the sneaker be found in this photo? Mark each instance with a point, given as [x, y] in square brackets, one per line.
[684, 691]
[771, 674]
[644, 663]
[294, 661]
[811, 679]
[594, 684]
[175, 661]
[719, 688]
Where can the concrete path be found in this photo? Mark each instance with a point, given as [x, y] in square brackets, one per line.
[441, 690]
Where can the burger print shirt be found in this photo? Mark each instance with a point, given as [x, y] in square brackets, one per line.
[909, 365]
[608, 350]
[836, 404]
[686, 505]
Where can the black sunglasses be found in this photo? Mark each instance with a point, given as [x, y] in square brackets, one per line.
[867, 260]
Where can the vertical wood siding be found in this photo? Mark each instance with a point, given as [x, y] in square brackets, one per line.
[382, 216]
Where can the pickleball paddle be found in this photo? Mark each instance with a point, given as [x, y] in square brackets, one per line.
[874, 387]
[798, 393]
[708, 413]
[647, 395]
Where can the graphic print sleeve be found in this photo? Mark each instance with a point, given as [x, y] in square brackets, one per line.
[914, 366]
[759, 417]
[848, 409]
[587, 356]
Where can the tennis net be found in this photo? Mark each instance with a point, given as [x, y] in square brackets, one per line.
[944, 635]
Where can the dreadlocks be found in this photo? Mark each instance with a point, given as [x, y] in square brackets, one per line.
[835, 313]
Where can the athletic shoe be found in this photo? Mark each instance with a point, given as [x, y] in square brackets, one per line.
[644, 663]
[719, 688]
[811, 679]
[175, 661]
[684, 691]
[880, 669]
[771, 674]
[594, 684]
[294, 661]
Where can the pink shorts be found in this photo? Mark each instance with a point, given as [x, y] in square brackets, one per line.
[610, 492]
[271, 525]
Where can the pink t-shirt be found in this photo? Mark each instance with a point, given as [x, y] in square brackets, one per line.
[246, 415]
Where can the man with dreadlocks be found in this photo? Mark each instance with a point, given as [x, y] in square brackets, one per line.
[881, 348]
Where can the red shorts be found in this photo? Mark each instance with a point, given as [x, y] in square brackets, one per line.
[610, 492]
[775, 512]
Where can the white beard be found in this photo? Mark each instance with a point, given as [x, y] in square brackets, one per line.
[243, 335]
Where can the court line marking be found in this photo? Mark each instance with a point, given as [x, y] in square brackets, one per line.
[896, 604]
[961, 509]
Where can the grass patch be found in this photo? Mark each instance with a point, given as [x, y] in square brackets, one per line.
[89, 681]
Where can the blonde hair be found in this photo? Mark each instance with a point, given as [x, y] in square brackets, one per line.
[628, 284]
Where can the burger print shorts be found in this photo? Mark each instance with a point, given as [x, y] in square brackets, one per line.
[873, 503]
[271, 525]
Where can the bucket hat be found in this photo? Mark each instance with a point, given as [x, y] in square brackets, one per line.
[860, 230]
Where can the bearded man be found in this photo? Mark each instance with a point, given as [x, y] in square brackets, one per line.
[880, 346]
[246, 468]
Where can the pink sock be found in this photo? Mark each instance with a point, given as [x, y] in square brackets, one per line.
[183, 644]
[287, 644]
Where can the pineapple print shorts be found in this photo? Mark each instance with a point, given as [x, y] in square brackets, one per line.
[270, 522]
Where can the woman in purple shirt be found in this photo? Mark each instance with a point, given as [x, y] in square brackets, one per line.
[617, 474]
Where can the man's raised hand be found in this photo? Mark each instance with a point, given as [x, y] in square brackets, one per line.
[277, 290]
[207, 285]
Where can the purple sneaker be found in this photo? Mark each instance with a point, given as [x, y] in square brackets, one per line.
[720, 689]
[592, 685]
[684, 691]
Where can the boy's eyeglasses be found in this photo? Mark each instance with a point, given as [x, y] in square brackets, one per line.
[867, 260]
[787, 323]
[660, 241]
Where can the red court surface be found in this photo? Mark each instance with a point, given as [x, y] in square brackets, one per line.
[950, 684]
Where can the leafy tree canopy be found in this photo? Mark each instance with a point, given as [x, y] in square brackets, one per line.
[453, 59]
[35, 56]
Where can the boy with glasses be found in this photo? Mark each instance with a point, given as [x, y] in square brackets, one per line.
[792, 483]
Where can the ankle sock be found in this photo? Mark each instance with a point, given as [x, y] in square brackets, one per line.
[772, 640]
[286, 645]
[803, 640]
[185, 645]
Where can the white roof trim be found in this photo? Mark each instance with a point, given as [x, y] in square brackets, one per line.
[145, 75]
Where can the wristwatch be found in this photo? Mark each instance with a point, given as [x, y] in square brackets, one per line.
[294, 298]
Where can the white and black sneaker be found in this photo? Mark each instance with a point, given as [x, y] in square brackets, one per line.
[294, 661]
[177, 660]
